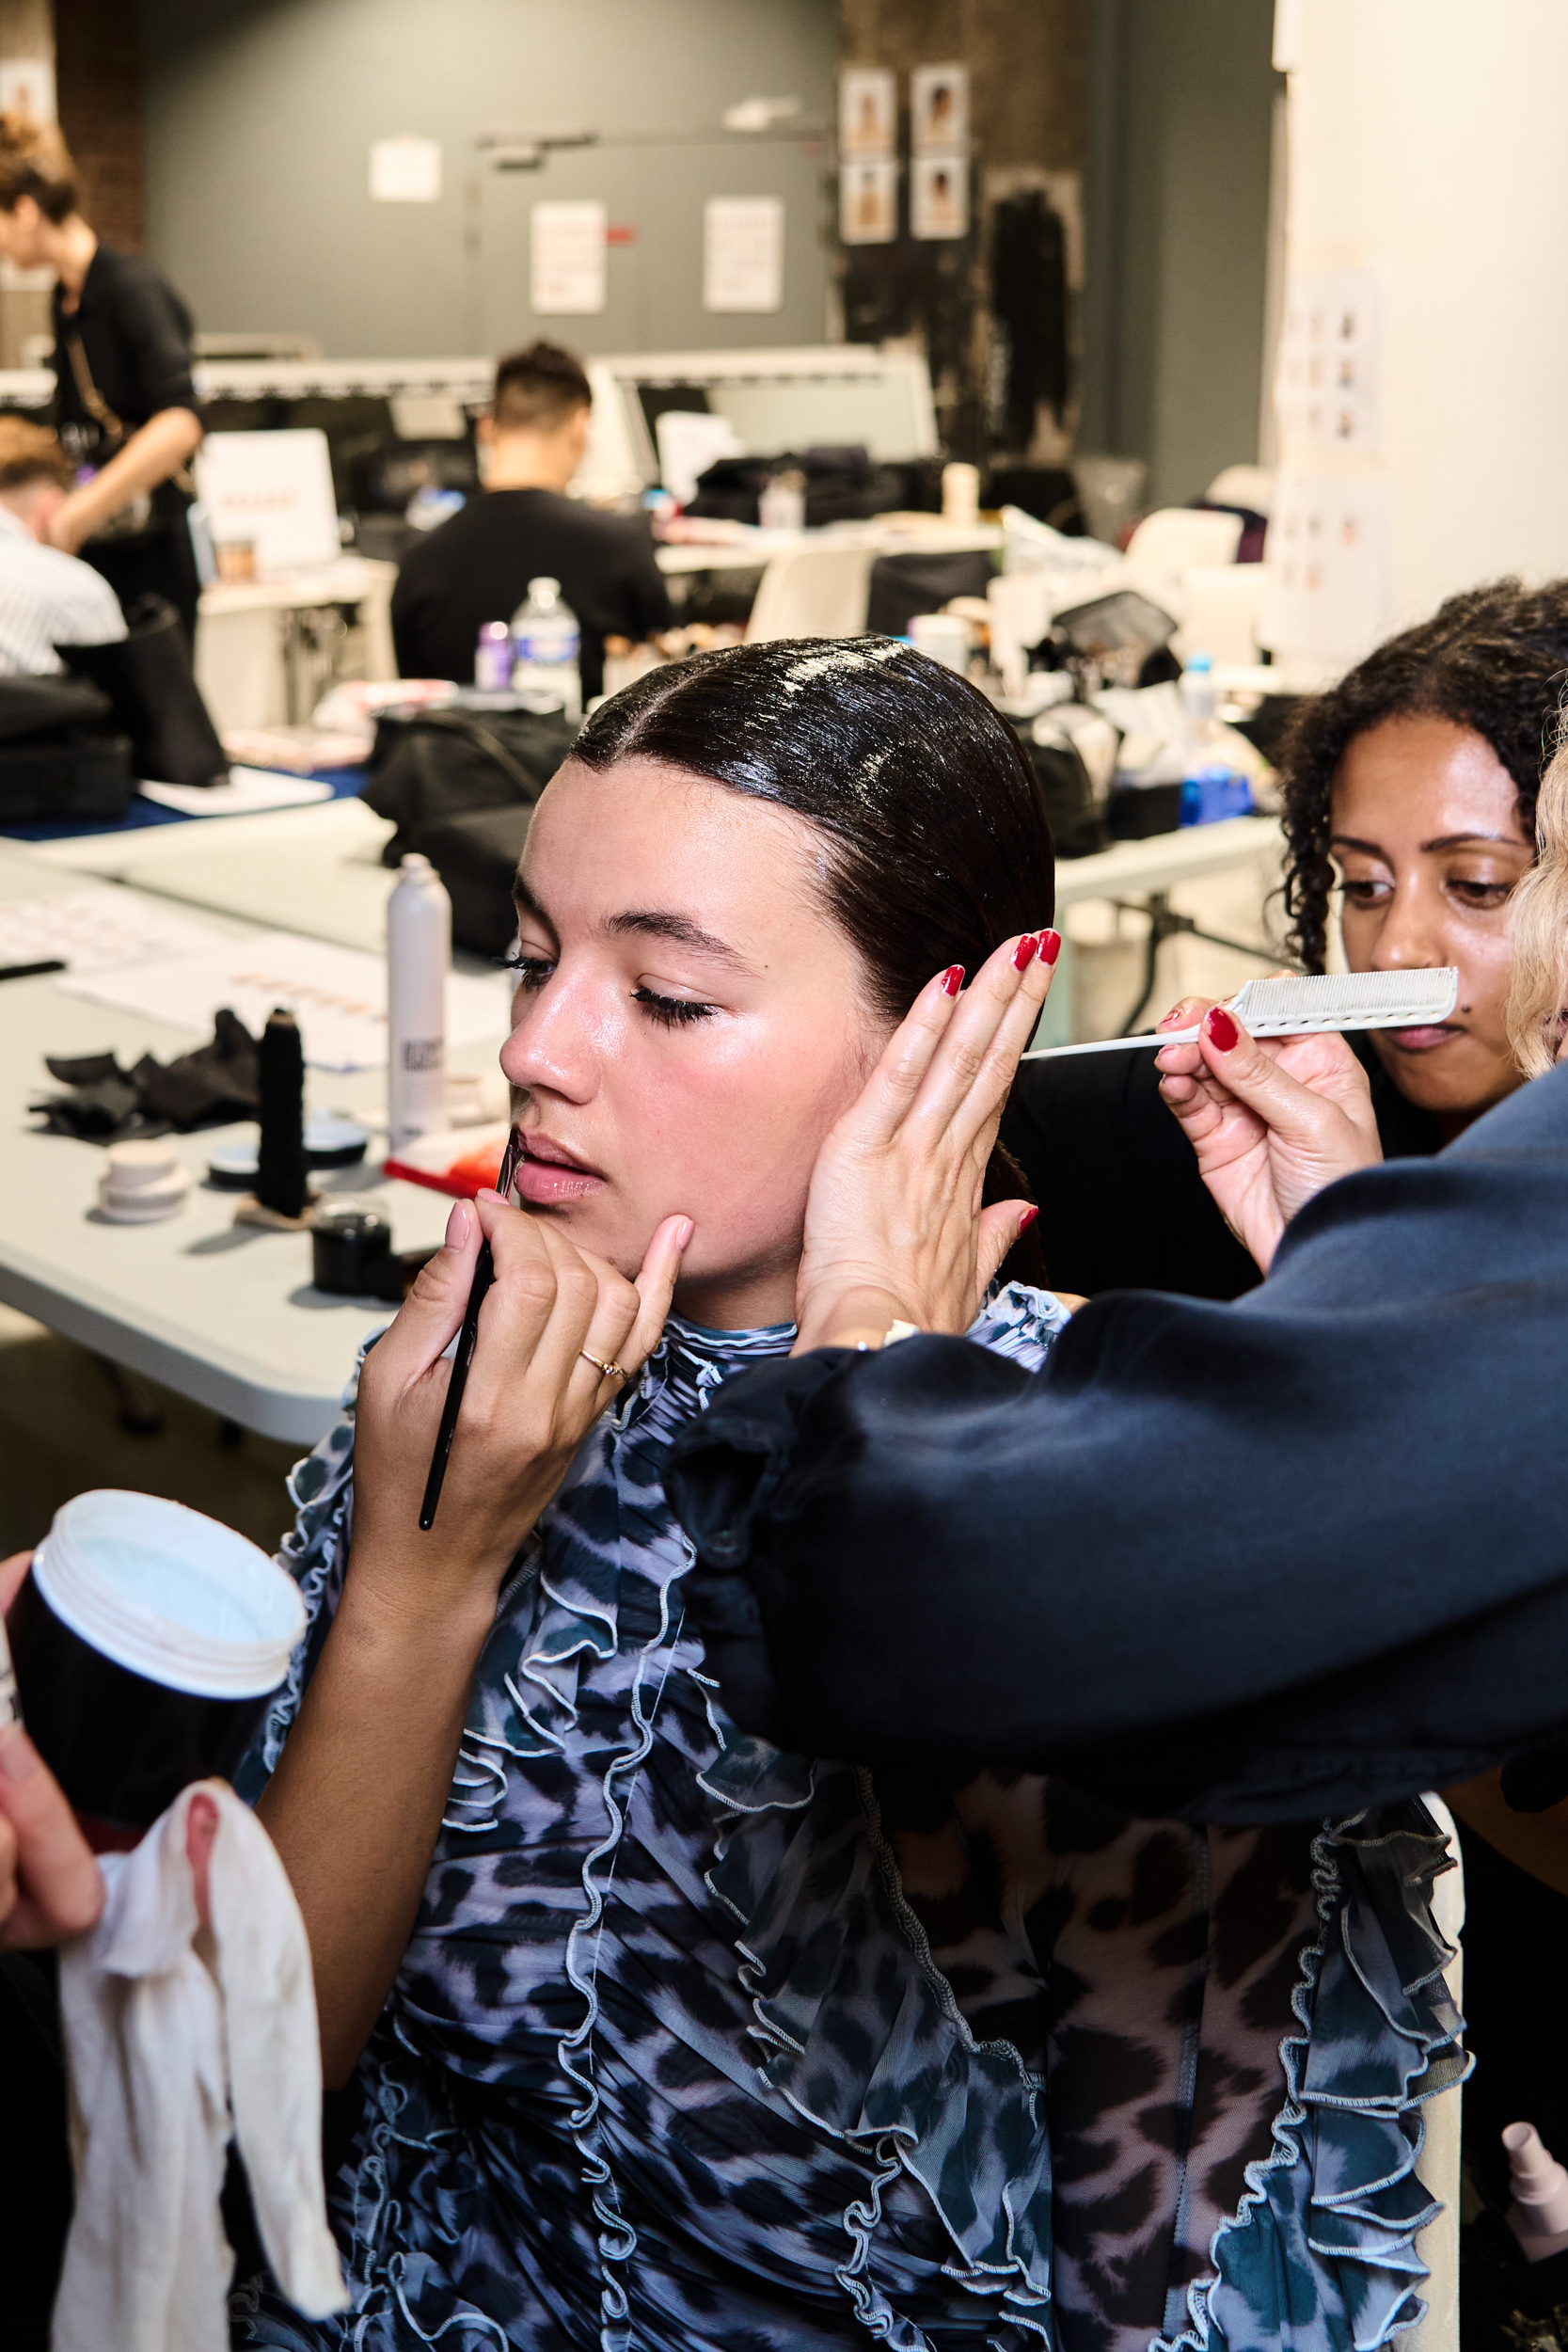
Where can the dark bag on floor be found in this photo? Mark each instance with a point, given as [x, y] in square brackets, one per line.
[59, 755]
[149, 678]
[460, 783]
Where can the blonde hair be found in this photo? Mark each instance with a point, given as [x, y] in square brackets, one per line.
[1537, 998]
[35, 161]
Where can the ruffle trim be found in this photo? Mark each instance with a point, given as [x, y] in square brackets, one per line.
[1337, 2205]
[803, 1867]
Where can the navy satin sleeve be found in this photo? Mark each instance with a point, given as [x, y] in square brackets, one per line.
[1241, 1562]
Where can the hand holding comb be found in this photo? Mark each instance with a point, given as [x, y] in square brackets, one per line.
[1308, 1005]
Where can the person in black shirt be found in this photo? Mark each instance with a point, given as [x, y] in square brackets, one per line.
[1411, 788]
[124, 403]
[476, 568]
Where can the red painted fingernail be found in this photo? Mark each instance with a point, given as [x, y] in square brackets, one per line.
[1051, 946]
[1219, 1028]
[953, 978]
[1027, 1219]
[1024, 953]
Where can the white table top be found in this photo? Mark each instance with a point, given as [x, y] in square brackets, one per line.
[726, 555]
[346, 581]
[1165, 860]
[224, 1314]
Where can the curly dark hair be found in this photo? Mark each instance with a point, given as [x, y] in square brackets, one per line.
[1493, 660]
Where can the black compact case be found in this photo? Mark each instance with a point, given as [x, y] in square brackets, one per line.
[122, 1747]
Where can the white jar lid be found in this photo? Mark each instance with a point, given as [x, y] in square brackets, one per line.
[170, 1594]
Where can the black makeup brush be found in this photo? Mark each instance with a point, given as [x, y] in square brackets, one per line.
[281, 1174]
[462, 1356]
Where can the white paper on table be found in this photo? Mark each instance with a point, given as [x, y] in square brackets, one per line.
[405, 171]
[337, 995]
[247, 792]
[689, 441]
[743, 253]
[567, 258]
[99, 928]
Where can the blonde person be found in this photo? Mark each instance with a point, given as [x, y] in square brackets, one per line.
[124, 403]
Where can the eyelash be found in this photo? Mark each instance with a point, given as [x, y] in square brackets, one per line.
[670, 1012]
[1478, 895]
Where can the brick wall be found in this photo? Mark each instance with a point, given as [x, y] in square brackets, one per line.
[97, 75]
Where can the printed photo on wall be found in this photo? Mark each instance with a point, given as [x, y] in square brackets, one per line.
[939, 196]
[867, 112]
[939, 109]
[868, 204]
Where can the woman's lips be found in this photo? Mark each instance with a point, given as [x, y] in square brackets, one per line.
[1422, 1040]
[548, 1174]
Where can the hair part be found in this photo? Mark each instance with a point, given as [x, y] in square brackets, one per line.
[539, 390]
[1492, 661]
[29, 455]
[35, 161]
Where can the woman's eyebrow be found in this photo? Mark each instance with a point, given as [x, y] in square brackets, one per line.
[657, 923]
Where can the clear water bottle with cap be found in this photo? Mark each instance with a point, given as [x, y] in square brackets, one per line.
[546, 642]
[1212, 786]
[419, 952]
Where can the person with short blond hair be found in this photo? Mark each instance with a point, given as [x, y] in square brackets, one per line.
[47, 598]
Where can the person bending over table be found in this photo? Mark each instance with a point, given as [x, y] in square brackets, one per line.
[476, 566]
[124, 402]
[662, 2036]
[1410, 786]
[47, 597]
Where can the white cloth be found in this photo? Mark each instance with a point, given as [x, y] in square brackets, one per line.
[47, 599]
[179, 2037]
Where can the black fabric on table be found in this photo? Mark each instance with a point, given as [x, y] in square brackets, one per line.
[1122, 1205]
[476, 568]
[136, 333]
[1241, 1562]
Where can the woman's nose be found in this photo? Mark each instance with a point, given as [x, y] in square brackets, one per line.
[1410, 935]
[551, 1042]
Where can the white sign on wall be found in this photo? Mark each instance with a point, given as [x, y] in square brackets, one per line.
[405, 171]
[867, 112]
[567, 253]
[1326, 591]
[273, 490]
[1326, 382]
[28, 85]
[743, 253]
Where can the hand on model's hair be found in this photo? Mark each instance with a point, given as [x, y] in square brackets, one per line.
[49, 1885]
[895, 1229]
[533, 1392]
[1271, 1120]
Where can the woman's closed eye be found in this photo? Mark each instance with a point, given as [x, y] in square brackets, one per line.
[533, 971]
[670, 1012]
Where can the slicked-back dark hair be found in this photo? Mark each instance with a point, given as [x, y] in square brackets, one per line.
[1493, 660]
[935, 844]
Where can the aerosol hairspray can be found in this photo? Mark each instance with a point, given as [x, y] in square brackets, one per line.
[418, 951]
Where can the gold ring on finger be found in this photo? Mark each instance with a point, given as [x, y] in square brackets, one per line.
[609, 1372]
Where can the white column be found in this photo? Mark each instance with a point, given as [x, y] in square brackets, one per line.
[1427, 144]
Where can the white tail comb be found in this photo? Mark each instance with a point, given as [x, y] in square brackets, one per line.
[1303, 1006]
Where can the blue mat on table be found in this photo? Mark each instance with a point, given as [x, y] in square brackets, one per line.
[345, 782]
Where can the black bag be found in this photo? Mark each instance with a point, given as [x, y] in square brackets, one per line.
[149, 678]
[59, 755]
[903, 585]
[438, 772]
[1066, 795]
[842, 486]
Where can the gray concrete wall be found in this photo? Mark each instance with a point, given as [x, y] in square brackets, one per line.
[259, 115]
[1177, 203]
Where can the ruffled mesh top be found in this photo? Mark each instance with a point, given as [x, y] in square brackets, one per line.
[701, 2047]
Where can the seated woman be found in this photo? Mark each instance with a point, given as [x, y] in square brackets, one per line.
[1410, 790]
[659, 2036]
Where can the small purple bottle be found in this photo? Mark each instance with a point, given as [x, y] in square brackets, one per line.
[493, 658]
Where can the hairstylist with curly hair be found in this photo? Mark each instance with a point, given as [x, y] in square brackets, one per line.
[1410, 790]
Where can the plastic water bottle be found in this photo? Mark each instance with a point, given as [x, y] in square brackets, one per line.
[418, 952]
[544, 646]
[493, 658]
[1212, 786]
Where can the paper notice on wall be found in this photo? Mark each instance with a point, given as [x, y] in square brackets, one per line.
[1326, 382]
[1327, 590]
[405, 171]
[743, 253]
[867, 112]
[867, 202]
[27, 87]
[939, 196]
[567, 259]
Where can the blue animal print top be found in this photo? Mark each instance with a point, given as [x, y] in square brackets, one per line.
[701, 2047]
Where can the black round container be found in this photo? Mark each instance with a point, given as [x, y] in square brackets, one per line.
[147, 1642]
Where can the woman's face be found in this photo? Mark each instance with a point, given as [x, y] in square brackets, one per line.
[1426, 835]
[688, 1026]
